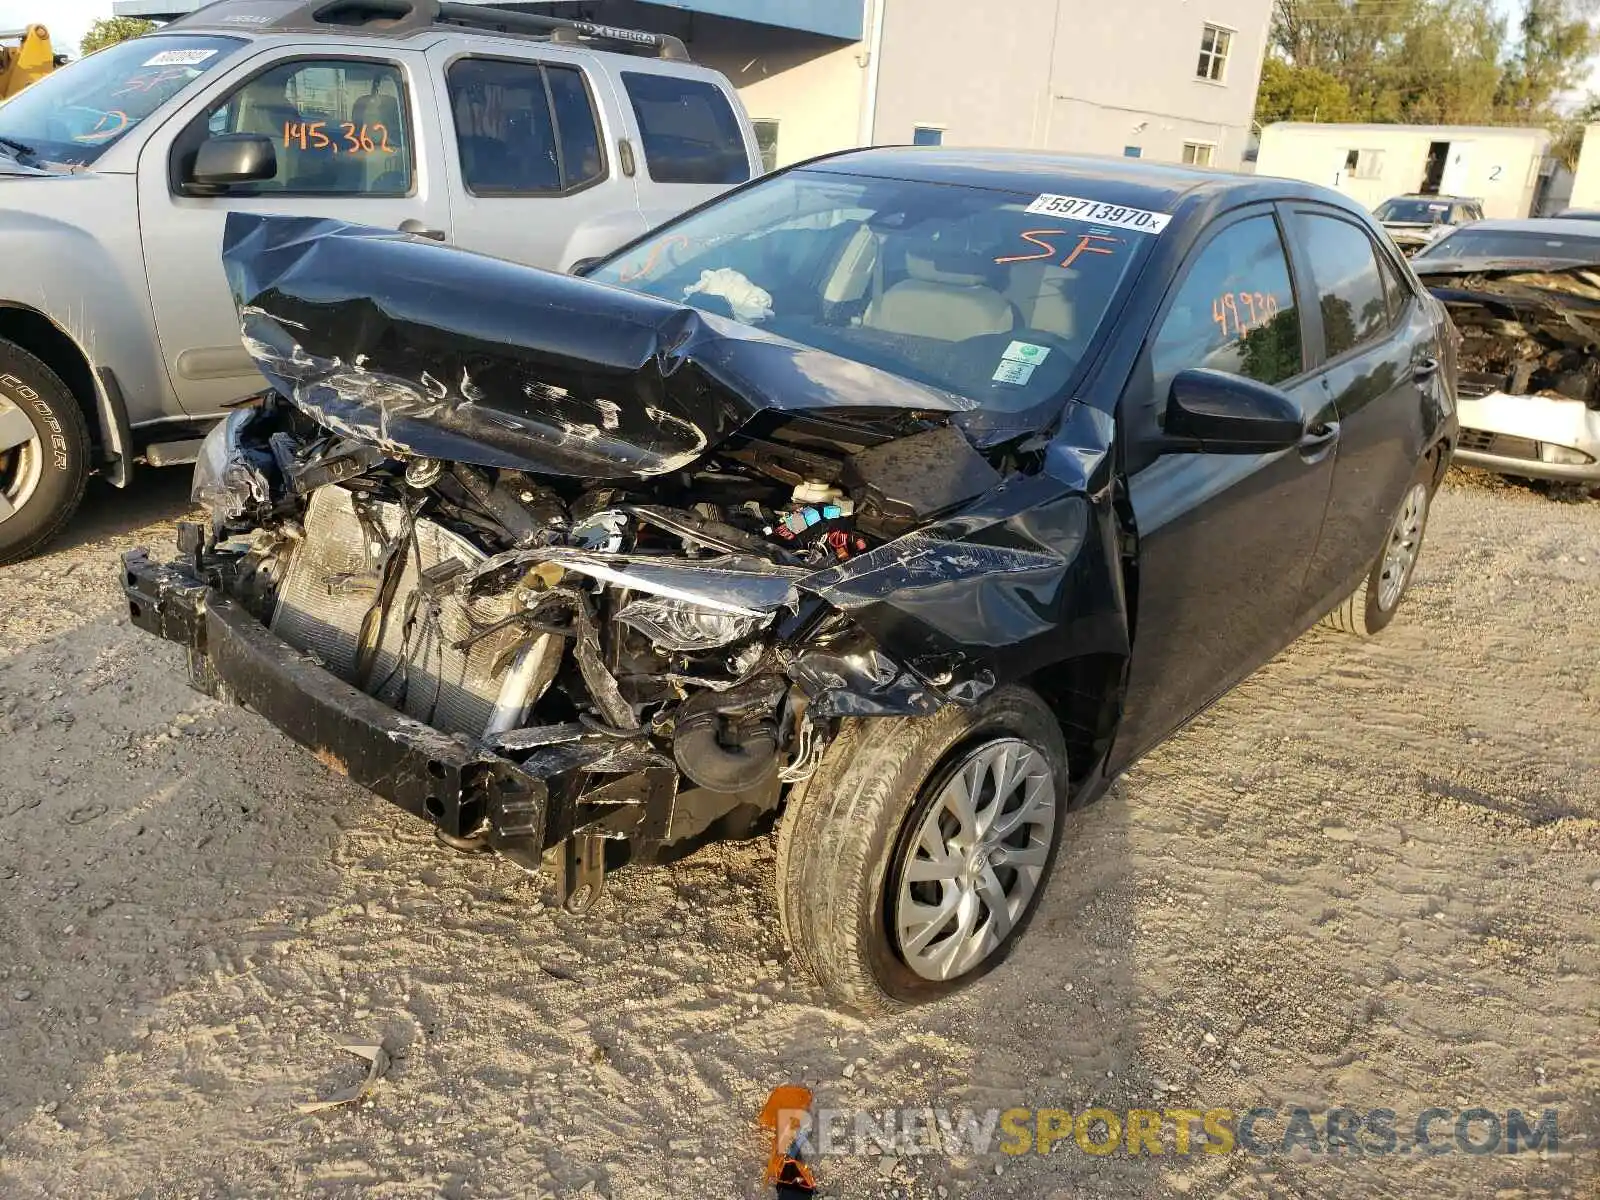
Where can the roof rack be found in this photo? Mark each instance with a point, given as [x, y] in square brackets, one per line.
[397, 18]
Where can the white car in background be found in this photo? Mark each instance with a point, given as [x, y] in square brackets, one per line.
[1526, 297]
[1415, 222]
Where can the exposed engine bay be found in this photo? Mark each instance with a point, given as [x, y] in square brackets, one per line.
[611, 628]
[1525, 332]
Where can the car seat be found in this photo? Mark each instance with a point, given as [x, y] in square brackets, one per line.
[947, 297]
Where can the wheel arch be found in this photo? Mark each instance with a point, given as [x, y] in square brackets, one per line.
[1085, 693]
[35, 332]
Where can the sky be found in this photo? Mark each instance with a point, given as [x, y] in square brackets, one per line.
[69, 20]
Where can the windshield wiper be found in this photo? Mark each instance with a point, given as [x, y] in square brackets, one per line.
[21, 149]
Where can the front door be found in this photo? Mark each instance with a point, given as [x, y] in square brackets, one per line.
[1224, 539]
[351, 142]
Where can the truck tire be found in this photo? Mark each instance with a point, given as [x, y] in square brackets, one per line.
[911, 862]
[1370, 608]
[44, 454]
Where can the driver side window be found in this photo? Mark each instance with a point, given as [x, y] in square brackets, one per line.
[1234, 312]
[339, 127]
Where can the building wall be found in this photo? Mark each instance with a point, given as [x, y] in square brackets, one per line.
[1586, 182]
[811, 87]
[1498, 166]
[1066, 75]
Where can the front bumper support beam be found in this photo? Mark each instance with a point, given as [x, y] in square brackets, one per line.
[462, 788]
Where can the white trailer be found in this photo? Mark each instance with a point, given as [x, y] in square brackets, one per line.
[1498, 165]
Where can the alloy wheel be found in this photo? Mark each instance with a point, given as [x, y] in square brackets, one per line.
[973, 864]
[21, 459]
[1405, 542]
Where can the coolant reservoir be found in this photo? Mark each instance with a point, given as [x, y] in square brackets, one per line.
[813, 492]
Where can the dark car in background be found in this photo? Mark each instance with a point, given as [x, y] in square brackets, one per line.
[901, 499]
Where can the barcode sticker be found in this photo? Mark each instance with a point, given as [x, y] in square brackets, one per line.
[1097, 212]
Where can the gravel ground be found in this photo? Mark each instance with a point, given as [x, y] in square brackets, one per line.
[1369, 877]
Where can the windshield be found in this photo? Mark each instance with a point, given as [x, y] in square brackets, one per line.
[1414, 212]
[957, 287]
[72, 116]
[1514, 243]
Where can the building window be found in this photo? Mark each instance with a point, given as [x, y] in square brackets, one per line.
[1198, 154]
[1214, 45]
[767, 143]
[927, 135]
[1132, 152]
[1364, 164]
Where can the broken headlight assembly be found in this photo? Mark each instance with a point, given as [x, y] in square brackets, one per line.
[686, 627]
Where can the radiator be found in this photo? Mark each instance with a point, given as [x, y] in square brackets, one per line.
[331, 584]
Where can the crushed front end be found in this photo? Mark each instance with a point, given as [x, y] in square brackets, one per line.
[607, 595]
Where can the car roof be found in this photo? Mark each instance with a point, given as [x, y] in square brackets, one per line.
[1133, 182]
[406, 20]
[1436, 199]
[1572, 227]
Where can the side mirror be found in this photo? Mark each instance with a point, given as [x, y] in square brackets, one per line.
[232, 158]
[1219, 413]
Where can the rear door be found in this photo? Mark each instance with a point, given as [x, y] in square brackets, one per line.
[1378, 351]
[692, 137]
[1224, 539]
[533, 167]
[352, 142]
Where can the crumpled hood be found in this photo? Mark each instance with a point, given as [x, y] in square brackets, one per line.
[1560, 288]
[427, 350]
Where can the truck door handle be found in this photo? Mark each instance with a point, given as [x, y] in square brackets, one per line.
[1319, 440]
[417, 229]
[1425, 368]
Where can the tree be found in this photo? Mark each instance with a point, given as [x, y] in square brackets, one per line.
[108, 31]
[1557, 40]
[1446, 62]
[1291, 93]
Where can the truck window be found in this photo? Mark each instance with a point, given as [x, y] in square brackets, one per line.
[523, 129]
[340, 127]
[689, 131]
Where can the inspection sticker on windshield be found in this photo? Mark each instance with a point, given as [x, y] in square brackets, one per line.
[180, 58]
[1095, 212]
[1019, 362]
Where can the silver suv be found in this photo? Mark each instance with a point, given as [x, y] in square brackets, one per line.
[515, 135]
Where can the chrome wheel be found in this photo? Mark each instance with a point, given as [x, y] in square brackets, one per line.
[1405, 541]
[21, 459]
[973, 864]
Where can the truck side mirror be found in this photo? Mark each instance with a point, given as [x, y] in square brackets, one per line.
[234, 158]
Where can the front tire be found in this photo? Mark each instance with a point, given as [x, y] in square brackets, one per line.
[1370, 608]
[44, 454]
[911, 862]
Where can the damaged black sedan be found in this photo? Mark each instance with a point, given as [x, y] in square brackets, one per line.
[899, 501]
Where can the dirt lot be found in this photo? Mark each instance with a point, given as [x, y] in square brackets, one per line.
[1370, 877]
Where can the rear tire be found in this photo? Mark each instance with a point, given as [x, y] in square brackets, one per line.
[1370, 608]
[851, 834]
[44, 454]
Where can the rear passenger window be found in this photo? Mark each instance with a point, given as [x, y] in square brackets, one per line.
[1354, 307]
[339, 127]
[523, 129]
[1234, 311]
[688, 128]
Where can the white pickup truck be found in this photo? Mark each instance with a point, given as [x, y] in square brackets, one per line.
[535, 139]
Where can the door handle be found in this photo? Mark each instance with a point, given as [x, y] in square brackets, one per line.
[1425, 368]
[1319, 440]
[417, 229]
